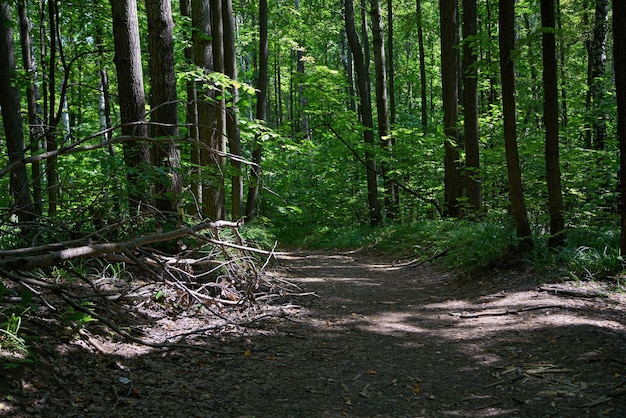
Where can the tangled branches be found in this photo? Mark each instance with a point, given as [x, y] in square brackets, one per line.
[214, 270]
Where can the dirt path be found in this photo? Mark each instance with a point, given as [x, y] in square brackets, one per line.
[378, 339]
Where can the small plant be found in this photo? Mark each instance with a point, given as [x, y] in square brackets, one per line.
[77, 319]
[10, 339]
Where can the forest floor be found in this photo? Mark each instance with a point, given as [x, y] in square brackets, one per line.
[367, 337]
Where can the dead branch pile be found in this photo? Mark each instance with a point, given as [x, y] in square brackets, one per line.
[213, 271]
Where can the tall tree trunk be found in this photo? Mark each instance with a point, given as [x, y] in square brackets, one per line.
[551, 121]
[382, 107]
[261, 111]
[470, 105]
[232, 121]
[564, 116]
[131, 97]
[362, 77]
[423, 90]
[619, 59]
[448, 11]
[391, 75]
[507, 74]
[597, 72]
[12, 119]
[348, 66]
[54, 117]
[36, 128]
[192, 113]
[164, 105]
[215, 190]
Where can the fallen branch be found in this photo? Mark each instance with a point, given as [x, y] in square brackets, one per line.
[128, 337]
[92, 250]
[502, 313]
[577, 293]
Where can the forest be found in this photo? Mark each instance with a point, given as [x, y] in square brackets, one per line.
[186, 142]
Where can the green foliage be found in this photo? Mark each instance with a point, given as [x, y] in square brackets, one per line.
[13, 344]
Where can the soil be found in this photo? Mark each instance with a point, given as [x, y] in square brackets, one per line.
[363, 337]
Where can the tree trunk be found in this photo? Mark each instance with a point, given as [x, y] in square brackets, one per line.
[36, 128]
[448, 11]
[382, 107]
[192, 116]
[53, 116]
[12, 119]
[423, 90]
[214, 208]
[507, 74]
[164, 109]
[131, 97]
[261, 111]
[619, 59]
[597, 72]
[391, 66]
[232, 121]
[470, 106]
[362, 77]
[564, 116]
[551, 121]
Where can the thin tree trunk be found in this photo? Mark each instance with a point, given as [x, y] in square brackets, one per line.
[261, 111]
[12, 119]
[423, 89]
[53, 120]
[551, 121]
[564, 116]
[450, 90]
[232, 121]
[507, 74]
[597, 72]
[391, 74]
[470, 106]
[192, 114]
[619, 59]
[36, 128]
[362, 77]
[217, 140]
[382, 107]
[348, 66]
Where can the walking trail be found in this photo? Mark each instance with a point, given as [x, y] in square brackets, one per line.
[366, 337]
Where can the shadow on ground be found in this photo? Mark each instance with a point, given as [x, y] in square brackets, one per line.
[377, 339]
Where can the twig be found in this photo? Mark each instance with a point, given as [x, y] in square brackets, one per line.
[501, 313]
[125, 335]
[577, 293]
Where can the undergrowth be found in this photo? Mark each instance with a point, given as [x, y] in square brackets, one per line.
[475, 246]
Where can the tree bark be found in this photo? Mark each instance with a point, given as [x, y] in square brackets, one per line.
[217, 141]
[551, 122]
[423, 91]
[470, 105]
[507, 73]
[597, 72]
[12, 119]
[362, 77]
[131, 97]
[164, 106]
[232, 121]
[36, 128]
[448, 12]
[619, 59]
[261, 111]
[382, 107]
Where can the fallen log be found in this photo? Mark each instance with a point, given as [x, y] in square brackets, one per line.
[51, 258]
